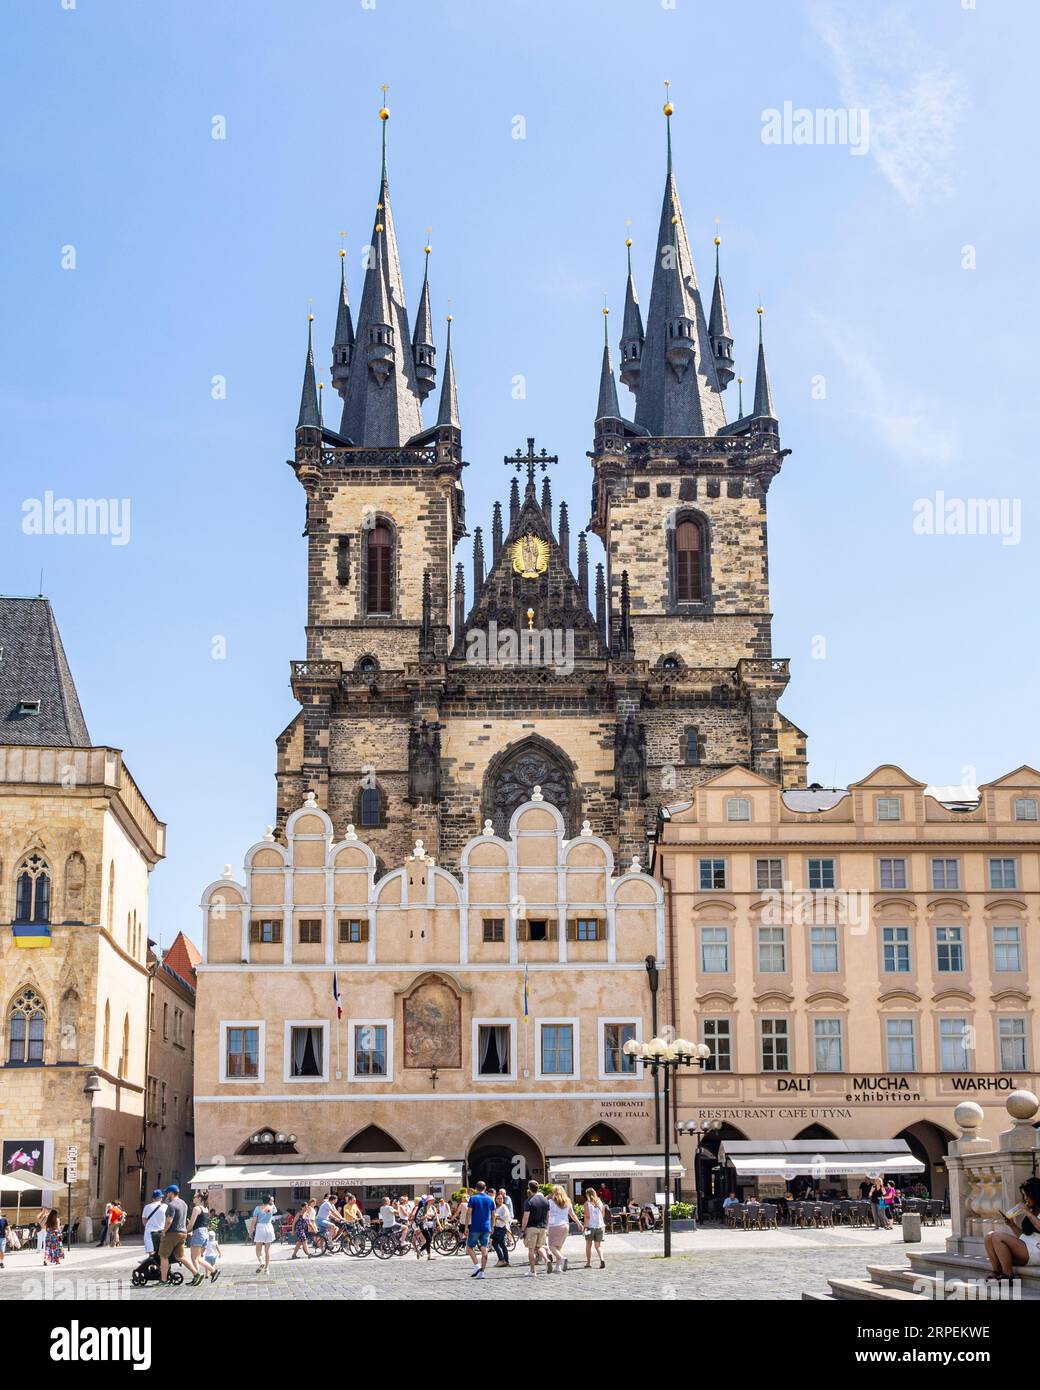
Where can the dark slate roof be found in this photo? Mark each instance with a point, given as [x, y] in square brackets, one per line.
[33, 667]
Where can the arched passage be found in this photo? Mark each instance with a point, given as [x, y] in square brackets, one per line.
[929, 1143]
[815, 1132]
[601, 1134]
[372, 1140]
[504, 1156]
[714, 1180]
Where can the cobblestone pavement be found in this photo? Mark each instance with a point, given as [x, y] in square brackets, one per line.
[705, 1265]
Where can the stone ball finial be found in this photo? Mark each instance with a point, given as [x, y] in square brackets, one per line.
[586, 827]
[536, 795]
[969, 1116]
[269, 833]
[1022, 1105]
[351, 832]
[227, 871]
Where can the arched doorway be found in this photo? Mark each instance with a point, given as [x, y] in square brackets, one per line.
[929, 1143]
[714, 1180]
[815, 1132]
[513, 774]
[504, 1156]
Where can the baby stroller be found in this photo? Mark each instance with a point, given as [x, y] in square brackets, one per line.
[149, 1270]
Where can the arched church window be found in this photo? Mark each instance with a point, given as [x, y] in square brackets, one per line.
[689, 562]
[33, 896]
[370, 807]
[513, 776]
[26, 1028]
[379, 554]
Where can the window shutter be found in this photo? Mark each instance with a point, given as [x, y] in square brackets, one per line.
[572, 931]
[521, 929]
[552, 931]
[254, 931]
[276, 931]
[364, 931]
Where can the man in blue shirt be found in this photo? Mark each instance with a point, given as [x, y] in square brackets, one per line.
[480, 1210]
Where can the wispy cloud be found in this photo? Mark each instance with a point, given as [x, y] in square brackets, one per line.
[905, 424]
[916, 100]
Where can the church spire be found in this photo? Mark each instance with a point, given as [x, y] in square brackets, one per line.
[496, 533]
[309, 417]
[607, 407]
[583, 566]
[343, 345]
[382, 406]
[448, 410]
[763, 392]
[679, 391]
[631, 345]
[718, 327]
[423, 351]
[478, 562]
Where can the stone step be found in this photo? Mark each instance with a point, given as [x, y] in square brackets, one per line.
[968, 1267]
[818, 1298]
[893, 1276]
[865, 1290]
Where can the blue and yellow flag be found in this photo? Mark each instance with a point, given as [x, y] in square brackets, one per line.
[29, 934]
[525, 993]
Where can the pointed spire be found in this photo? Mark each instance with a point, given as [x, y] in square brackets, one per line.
[321, 413]
[478, 562]
[624, 631]
[343, 346]
[496, 533]
[382, 408]
[601, 602]
[740, 397]
[564, 536]
[426, 630]
[631, 345]
[679, 391]
[514, 502]
[607, 407]
[309, 416]
[583, 567]
[448, 410]
[718, 327]
[763, 392]
[423, 351]
[460, 601]
[547, 500]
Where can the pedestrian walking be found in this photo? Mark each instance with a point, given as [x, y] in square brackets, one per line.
[53, 1250]
[503, 1220]
[262, 1223]
[303, 1227]
[41, 1230]
[534, 1225]
[594, 1221]
[116, 1217]
[175, 1230]
[210, 1262]
[154, 1219]
[427, 1223]
[198, 1229]
[4, 1228]
[103, 1236]
[875, 1199]
[561, 1214]
[480, 1209]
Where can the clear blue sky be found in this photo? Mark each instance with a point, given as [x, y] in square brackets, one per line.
[197, 258]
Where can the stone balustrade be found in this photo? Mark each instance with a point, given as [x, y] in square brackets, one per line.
[984, 1180]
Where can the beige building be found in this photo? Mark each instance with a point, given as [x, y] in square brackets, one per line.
[170, 1111]
[77, 843]
[434, 1075]
[858, 961]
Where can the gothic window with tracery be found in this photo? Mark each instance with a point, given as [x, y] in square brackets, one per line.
[512, 782]
[33, 896]
[26, 1028]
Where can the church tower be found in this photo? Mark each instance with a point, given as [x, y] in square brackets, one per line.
[431, 708]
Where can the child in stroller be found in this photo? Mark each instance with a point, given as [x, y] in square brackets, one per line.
[147, 1272]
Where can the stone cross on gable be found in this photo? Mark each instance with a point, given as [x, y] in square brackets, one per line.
[530, 460]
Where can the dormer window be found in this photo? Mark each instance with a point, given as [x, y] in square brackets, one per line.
[28, 707]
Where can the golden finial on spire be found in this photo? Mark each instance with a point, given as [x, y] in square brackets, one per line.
[668, 107]
[310, 318]
[384, 110]
[718, 239]
[342, 249]
[427, 247]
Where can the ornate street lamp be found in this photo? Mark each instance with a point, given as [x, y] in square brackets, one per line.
[663, 1056]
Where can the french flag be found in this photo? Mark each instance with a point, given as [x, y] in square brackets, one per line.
[335, 995]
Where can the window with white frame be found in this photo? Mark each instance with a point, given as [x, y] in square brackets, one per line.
[1002, 873]
[305, 1051]
[769, 873]
[243, 1051]
[738, 808]
[954, 1044]
[712, 874]
[775, 1044]
[900, 1045]
[772, 950]
[1012, 1035]
[888, 808]
[821, 873]
[823, 953]
[494, 1048]
[716, 1034]
[892, 873]
[370, 1055]
[895, 950]
[1025, 809]
[556, 1048]
[714, 950]
[1007, 947]
[949, 948]
[827, 1044]
[946, 873]
[616, 1062]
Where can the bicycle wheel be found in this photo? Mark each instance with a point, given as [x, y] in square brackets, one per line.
[445, 1243]
[358, 1244]
[510, 1240]
[385, 1246]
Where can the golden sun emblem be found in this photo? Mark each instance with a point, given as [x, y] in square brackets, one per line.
[530, 556]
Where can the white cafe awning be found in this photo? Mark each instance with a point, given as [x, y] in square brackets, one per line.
[362, 1174]
[821, 1158]
[613, 1166]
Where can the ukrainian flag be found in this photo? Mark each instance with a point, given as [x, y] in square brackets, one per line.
[30, 934]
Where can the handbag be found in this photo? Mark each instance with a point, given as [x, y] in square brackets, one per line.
[251, 1226]
[14, 1240]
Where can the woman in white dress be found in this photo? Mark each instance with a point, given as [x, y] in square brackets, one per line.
[595, 1223]
[561, 1214]
[263, 1233]
[1020, 1245]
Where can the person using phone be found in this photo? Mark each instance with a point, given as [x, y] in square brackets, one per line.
[1021, 1244]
